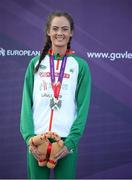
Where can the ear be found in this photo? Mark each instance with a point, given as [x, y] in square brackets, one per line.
[48, 33]
[71, 34]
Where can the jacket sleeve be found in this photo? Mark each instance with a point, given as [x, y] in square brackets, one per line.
[26, 118]
[83, 93]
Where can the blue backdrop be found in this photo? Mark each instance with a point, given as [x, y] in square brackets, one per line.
[103, 37]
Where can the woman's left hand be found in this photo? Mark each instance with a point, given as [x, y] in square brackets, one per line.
[62, 153]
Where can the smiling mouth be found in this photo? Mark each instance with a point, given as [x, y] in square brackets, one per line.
[60, 38]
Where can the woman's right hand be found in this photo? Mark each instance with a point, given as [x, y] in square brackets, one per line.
[35, 152]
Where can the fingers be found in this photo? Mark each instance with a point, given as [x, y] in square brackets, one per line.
[62, 153]
[35, 152]
[35, 156]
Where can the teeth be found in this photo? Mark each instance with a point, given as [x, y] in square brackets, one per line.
[59, 38]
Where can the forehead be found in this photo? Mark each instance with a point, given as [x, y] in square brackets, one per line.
[60, 21]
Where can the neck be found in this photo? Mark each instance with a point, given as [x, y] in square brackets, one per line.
[59, 50]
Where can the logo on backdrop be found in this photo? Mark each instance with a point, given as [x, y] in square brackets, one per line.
[2, 52]
[18, 52]
[112, 56]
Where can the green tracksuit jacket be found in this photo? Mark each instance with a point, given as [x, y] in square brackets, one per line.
[70, 119]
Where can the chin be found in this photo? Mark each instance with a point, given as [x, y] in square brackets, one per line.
[60, 45]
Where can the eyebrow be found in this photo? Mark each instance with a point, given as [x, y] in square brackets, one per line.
[62, 26]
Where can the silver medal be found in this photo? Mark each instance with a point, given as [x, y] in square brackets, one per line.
[55, 103]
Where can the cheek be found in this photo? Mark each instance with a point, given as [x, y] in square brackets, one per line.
[52, 38]
[67, 38]
[68, 35]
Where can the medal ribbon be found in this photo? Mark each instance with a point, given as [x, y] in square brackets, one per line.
[56, 86]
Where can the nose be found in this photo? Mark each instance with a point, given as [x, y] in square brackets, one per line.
[59, 32]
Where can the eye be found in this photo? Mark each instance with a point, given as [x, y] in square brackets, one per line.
[54, 28]
[65, 29]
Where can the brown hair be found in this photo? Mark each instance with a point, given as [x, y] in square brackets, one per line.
[47, 45]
